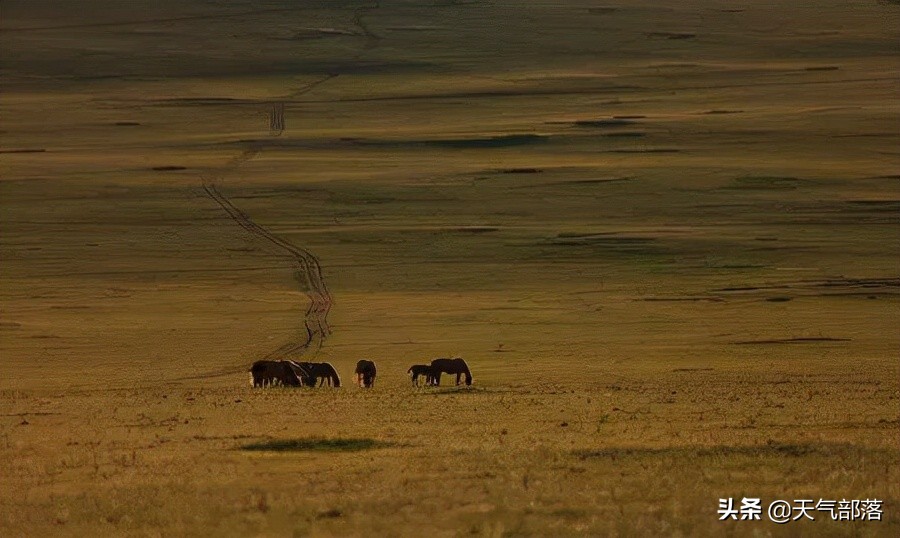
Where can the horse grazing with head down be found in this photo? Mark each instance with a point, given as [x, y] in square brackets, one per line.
[450, 366]
[273, 373]
[417, 370]
[303, 372]
[321, 372]
[365, 373]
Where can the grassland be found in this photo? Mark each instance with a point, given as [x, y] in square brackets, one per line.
[665, 238]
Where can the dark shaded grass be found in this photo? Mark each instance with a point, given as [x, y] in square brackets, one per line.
[603, 10]
[592, 181]
[315, 444]
[765, 183]
[491, 142]
[626, 134]
[462, 389]
[520, 171]
[614, 122]
[476, 229]
[647, 150]
[671, 35]
[603, 243]
[770, 450]
[807, 340]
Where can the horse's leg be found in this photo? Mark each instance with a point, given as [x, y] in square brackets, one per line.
[457, 379]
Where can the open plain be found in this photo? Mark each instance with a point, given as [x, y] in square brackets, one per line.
[665, 237]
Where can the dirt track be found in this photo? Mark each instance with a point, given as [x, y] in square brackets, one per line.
[309, 269]
[309, 273]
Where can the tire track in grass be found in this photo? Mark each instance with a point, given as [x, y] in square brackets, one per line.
[309, 273]
[309, 268]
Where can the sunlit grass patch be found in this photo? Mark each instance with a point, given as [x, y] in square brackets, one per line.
[315, 444]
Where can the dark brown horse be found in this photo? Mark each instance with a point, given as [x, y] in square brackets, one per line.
[365, 373]
[450, 366]
[273, 373]
[321, 372]
[303, 372]
[417, 370]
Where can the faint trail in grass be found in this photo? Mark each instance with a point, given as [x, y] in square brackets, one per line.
[309, 269]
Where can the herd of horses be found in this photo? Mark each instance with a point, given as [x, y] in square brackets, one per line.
[310, 374]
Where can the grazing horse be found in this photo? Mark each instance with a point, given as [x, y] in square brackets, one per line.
[450, 366]
[273, 373]
[320, 371]
[417, 370]
[365, 373]
[303, 372]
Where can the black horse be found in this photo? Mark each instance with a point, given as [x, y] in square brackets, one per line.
[450, 366]
[321, 372]
[365, 373]
[272, 373]
[417, 370]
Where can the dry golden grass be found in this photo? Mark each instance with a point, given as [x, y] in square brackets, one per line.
[647, 452]
[665, 238]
